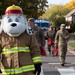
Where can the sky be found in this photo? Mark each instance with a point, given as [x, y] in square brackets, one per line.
[58, 1]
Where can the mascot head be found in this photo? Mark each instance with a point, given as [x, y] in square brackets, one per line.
[14, 22]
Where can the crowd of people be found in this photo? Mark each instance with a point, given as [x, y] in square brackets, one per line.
[22, 43]
[53, 38]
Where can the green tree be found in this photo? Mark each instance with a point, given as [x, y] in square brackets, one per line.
[42, 5]
[55, 14]
[31, 8]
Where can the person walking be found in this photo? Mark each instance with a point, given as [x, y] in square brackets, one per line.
[37, 31]
[61, 39]
[50, 42]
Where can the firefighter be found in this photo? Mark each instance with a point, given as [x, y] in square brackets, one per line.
[18, 46]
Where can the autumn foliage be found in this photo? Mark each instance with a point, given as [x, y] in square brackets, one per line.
[56, 13]
[71, 4]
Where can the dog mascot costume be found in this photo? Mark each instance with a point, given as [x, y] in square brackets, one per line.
[19, 50]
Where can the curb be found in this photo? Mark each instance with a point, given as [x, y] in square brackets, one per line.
[71, 50]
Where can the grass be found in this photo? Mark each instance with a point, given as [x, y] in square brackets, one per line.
[72, 44]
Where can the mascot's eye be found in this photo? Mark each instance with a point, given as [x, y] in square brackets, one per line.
[10, 20]
[17, 20]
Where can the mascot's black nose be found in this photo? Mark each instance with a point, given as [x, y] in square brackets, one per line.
[13, 24]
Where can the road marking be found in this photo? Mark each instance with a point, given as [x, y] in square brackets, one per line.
[53, 63]
[66, 71]
[67, 64]
[42, 72]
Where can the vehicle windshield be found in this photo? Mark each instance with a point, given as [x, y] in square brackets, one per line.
[42, 23]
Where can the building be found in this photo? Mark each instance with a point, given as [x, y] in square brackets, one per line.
[70, 17]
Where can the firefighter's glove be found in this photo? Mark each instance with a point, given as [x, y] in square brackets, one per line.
[37, 67]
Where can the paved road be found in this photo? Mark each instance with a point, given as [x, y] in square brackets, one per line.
[51, 65]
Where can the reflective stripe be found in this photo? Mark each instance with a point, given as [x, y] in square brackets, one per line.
[15, 49]
[18, 70]
[37, 59]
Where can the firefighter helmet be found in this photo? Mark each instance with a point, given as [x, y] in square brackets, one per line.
[13, 10]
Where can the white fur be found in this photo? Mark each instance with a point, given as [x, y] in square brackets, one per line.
[20, 22]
